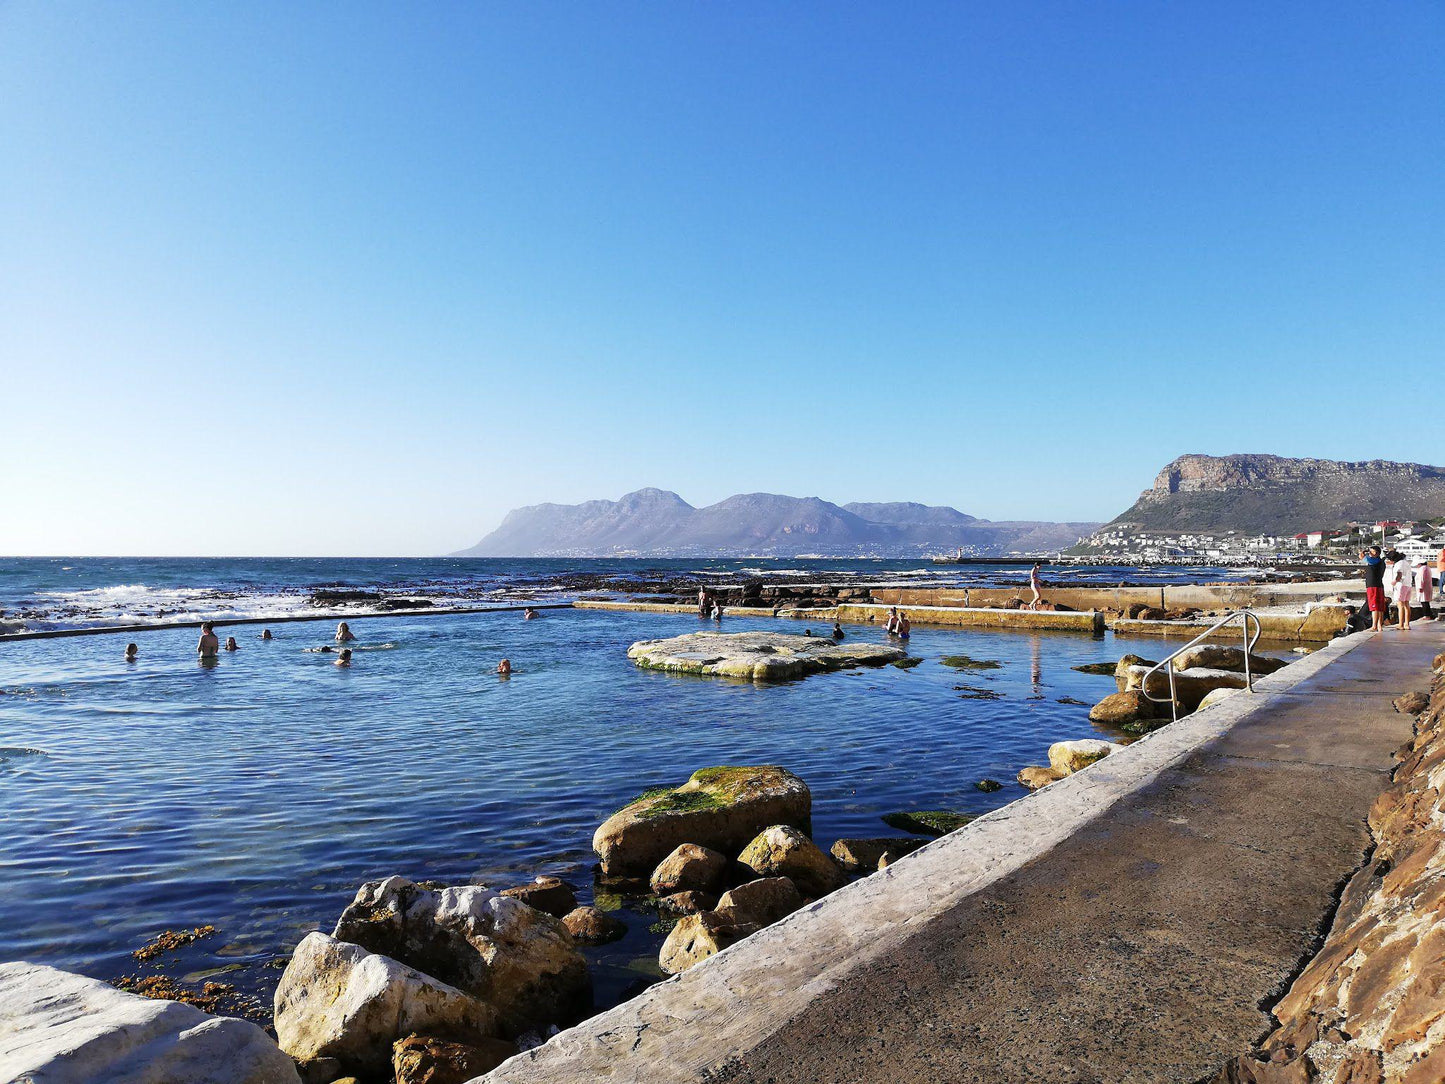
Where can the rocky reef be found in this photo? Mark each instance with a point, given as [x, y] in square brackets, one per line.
[758, 656]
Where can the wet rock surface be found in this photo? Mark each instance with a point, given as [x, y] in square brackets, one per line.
[758, 656]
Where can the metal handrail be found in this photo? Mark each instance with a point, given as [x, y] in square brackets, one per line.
[1245, 617]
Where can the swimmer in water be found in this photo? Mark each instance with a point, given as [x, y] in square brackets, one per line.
[807, 632]
[131, 651]
[231, 644]
[529, 613]
[265, 634]
[905, 626]
[837, 631]
[505, 668]
[891, 625]
[345, 657]
[344, 635]
[208, 644]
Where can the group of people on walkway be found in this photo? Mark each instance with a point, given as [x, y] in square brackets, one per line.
[1391, 577]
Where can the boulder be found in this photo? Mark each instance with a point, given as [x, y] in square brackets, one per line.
[689, 868]
[758, 656]
[592, 926]
[545, 894]
[783, 851]
[1152, 613]
[518, 959]
[1067, 757]
[988, 786]
[762, 902]
[425, 1059]
[722, 808]
[1412, 703]
[1220, 657]
[1212, 698]
[337, 1000]
[861, 855]
[928, 822]
[1190, 686]
[1120, 709]
[1125, 664]
[686, 903]
[1036, 778]
[696, 937]
[63, 1028]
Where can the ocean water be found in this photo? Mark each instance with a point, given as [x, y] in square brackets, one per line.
[256, 793]
[60, 592]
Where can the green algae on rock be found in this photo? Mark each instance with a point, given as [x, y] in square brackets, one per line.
[966, 662]
[928, 822]
[759, 656]
[722, 808]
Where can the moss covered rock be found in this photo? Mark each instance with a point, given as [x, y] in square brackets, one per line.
[783, 851]
[722, 808]
[927, 822]
[1068, 757]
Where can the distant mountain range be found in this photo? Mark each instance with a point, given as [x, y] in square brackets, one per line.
[1269, 494]
[658, 523]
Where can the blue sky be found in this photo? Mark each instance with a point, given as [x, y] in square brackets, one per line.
[356, 279]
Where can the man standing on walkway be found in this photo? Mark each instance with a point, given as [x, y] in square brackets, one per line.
[1375, 587]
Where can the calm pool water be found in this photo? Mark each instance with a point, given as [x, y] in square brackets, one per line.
[257, 793]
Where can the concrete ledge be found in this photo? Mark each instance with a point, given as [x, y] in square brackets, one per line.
[699, 1024]
[1088, 621]
[1204, 596]
[1316, 624]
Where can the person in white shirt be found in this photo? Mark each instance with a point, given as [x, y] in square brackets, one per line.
[1402, 583]
[1425, 588]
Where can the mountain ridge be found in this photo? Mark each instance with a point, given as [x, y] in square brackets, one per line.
[657, 522]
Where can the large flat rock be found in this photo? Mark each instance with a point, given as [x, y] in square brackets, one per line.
[760, 656]
[58, 1028]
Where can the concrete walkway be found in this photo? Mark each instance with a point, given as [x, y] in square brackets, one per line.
[1142, 948]
[1129, 924]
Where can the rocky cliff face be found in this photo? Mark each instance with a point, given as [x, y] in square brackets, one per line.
[1269, 494]
[657, 523]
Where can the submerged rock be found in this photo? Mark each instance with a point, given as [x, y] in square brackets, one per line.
[1105, 669]
[696, 937]
[62, 1028]
[862, 855]
[547, 894]
[689, 867]
[783, 851]
[762, 902]
[1067, 757]
[593, 927]
[761, 656]
[928, 822]
[988, 786]
[1036, 778]
[722, 808]
[516, 958]
[425, 1059]
[337, 1000]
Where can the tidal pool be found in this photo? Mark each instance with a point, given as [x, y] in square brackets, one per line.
[256, 793]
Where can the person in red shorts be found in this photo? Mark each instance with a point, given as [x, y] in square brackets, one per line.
[1375, 587]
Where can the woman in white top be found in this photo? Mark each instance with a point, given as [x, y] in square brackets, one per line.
[1402, 587]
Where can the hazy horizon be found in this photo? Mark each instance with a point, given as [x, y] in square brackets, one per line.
[361, 279]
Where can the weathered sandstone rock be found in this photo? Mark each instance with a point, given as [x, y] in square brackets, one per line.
[759, 656]
[696, 937]
[1067, 757]
[592, 926]
[689, 868]
[1190, 686]
[1219, 657]
[1123, 666]
[722, 808]
[783, 851]
[1122, 709]
[61, 1028]
[337, 1000]
[518, 959]
[547, 894]
[1215, 697]
[762, 902]
[861, 855]
[686, 903]
[1412, 703]
[1035, 777]
[425, 1059]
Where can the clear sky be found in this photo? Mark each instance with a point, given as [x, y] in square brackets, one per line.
[356, 278]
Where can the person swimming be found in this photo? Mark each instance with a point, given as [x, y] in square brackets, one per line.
[807, 632]
[891, 625]
[231, 644]
[131, 651]
[504, 668]
[265, 634]
[529, 613]
[344, 659]
[344, 635]
[209, 644]
[905, 626]
[716, 611]
[837, 631]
